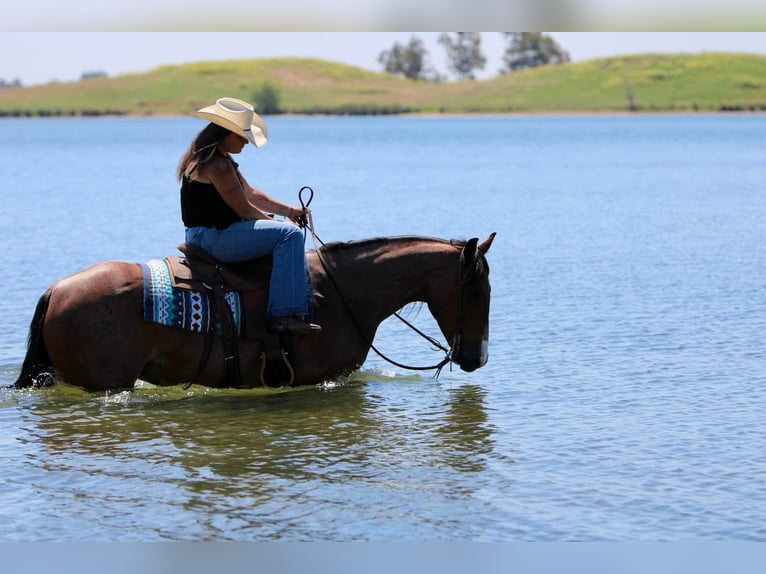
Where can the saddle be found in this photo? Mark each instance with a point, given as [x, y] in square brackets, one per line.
[199, 271]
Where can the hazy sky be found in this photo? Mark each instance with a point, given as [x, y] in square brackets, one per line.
[41, 57]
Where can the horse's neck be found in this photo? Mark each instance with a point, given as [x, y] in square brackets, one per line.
[389, 275]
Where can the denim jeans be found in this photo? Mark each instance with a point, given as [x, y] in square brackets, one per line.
[290, 291]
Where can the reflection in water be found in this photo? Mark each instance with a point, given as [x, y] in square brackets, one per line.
[466, 436]
[307, 464]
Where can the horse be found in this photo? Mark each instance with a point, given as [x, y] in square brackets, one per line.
[88, 329]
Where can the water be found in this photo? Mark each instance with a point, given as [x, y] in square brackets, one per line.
[624, 398]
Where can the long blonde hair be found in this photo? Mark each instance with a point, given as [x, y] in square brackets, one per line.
[202, 149]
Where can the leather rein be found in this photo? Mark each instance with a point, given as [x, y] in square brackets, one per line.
[307, 224]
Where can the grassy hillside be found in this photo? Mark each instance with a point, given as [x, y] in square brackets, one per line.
[651, 82]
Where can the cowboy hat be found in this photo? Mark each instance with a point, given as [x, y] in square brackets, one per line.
[238, 117]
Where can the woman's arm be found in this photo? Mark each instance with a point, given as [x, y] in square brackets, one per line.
[268, 204]
[233, 188]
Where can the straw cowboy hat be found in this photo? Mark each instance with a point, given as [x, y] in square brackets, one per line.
[238, 117]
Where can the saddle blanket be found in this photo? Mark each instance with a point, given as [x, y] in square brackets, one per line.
[189, 310]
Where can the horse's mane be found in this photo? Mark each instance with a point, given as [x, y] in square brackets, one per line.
[337, 250]
[375, 242]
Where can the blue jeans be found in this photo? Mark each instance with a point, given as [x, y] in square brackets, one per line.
[290, 290]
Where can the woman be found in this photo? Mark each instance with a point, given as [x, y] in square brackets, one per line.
[227, 217]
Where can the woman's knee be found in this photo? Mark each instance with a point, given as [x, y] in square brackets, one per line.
[293, 234]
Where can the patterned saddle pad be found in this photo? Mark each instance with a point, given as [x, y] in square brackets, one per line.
[189, 310]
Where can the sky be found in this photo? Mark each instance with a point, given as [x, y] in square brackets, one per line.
[41, 57]
[382, 15]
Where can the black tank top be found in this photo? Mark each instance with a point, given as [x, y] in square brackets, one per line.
[203, 206]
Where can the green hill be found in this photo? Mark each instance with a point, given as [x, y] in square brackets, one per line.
[649, 82]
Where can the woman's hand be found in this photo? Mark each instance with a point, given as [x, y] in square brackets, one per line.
[299, 216]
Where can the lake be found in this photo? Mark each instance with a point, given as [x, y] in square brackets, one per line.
[625, 394]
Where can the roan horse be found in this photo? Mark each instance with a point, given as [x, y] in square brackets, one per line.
[88, 329]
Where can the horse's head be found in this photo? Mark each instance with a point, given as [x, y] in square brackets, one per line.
[462, 311]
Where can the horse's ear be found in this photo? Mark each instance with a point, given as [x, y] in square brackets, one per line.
[484, 247]
[468, 256]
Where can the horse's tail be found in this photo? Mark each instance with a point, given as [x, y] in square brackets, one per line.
[37, 368]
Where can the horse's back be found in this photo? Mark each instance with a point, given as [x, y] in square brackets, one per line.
[94, 296]
[103, 279]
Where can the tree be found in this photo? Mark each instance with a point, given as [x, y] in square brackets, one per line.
[531, 49]
[267, 99]
[14, 84]
[93, 75]
[410, 61]
[463, 53]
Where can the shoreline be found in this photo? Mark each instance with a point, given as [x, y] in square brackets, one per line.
[414, 115]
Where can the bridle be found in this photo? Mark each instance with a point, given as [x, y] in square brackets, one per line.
[307, 224]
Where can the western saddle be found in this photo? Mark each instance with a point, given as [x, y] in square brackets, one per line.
[199, 271]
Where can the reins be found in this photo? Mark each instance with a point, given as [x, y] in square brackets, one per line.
[307, 224]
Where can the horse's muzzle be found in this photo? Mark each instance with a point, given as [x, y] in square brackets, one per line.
[469, 365]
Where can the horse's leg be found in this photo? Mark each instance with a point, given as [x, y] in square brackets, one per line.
[94, 329]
